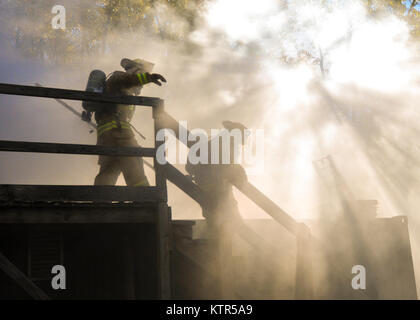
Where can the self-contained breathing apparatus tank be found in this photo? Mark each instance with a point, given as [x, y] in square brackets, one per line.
[96, 83]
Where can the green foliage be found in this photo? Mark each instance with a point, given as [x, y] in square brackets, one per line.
[405, 9]
[91, 25]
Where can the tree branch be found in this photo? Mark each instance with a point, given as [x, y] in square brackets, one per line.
[413, 4]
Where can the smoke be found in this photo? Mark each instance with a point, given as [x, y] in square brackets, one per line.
[320, 79]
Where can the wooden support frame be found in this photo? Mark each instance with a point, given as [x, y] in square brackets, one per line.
[21, 279]
[158, 194]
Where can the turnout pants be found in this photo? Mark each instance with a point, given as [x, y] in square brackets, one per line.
[112, 166]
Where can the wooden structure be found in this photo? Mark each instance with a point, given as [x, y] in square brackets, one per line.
[121, 243]
[114, 241]
[117, 242]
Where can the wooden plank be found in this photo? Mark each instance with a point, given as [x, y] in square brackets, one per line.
[77, 214]
[168, 122]
[30, 193]
[66, 94]
[63, 148]
[268, 206]
[23, 281]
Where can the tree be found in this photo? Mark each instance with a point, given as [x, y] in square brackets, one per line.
[91, 25]
[408, 10]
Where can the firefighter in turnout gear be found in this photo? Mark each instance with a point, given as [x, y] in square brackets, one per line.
[221, 210]
[113, 123]
[214, 179]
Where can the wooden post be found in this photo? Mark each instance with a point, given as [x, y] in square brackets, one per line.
[304, 281]
[163, 257]
[163, 215]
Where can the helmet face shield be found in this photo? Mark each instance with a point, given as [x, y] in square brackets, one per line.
[134, 70]
[136, 65]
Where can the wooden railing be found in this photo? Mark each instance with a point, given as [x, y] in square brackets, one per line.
[36, 91]
[44, 92]
[156, 194]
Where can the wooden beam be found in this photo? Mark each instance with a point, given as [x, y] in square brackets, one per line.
[32, 193]
[268, 206]
[42, 147]
[82, 214]
[21, 279]
[168, 122]
[186, 185]
[66, 94]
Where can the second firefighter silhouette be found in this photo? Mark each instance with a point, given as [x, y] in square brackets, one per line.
[113, 123]
[215, 178]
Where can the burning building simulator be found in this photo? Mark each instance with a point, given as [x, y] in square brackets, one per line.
[323, 94]
[120, 242]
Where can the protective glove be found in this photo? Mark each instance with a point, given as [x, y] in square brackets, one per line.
[150, 77]
[155, 77]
